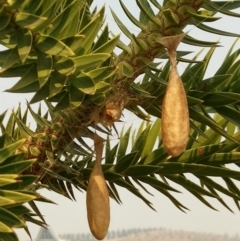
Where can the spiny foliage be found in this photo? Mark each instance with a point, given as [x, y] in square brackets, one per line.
[63, 52]
[17, 188]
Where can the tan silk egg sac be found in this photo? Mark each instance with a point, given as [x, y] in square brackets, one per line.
[98, 209]
[175, 116]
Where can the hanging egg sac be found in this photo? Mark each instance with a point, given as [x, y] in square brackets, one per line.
[175, 115]
[98, 208]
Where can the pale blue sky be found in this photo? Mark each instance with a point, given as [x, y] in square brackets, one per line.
[70, 217]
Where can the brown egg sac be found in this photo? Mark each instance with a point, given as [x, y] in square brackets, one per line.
[175, 115]
[98, 208]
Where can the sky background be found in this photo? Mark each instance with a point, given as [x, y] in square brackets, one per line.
[70, 216]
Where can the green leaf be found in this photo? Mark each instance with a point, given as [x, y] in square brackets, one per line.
[63, 103]
[4, 21]
[10, 219]
[5, 229]
[22, 182]
[228, 61]
[90, 61]
[27, 83]
[125, 162]
[44, 67]
[91, 30]
[23, 128]
[31, 87]
[152, 136]
[202, 17]
[108, 47]
[19, 210]
[131, 17]
[214, 30]
[207, 121]
[65, 23]
[127, 69]
[11, 58]
[141, 170]
[75, 43]
[220, 99]
[98, 98]
[188, 184]
[147, 10]
[200, 198]
[125, 48]
[24, 43]
[193, 74]
[2, 137]
[198, 169]
[193, 101]
[110, 153]
[140, 142]
[112, 176]
[222, 158]
[114, 193]
[9, 236]
[16, 168]
[146, 13]
[102, 87]
[157, 184]
[209, 137]
[197, 42]
[12, 197]
[121, 25]
[171, 16]
[30, 21]
[57, 82]
[196, 154]
[231, 186]
[156, 4]
[15, 71]
[10, 126]
[18, 3]
[84, 83]
[156, 156]
[65, 66]
[41, 94]
[102, 38]
[223, 7]
[33, 7]
[123, 143]
[229, 113]
[36, 210]
[174, 201]
[48, 10]
[52, 46]
[136, 89]
[76, 96]
[128, 185]
[226, 4]
[7, 179]
[212, 84]
[219, 187]
[57, 97]
[8, 151]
